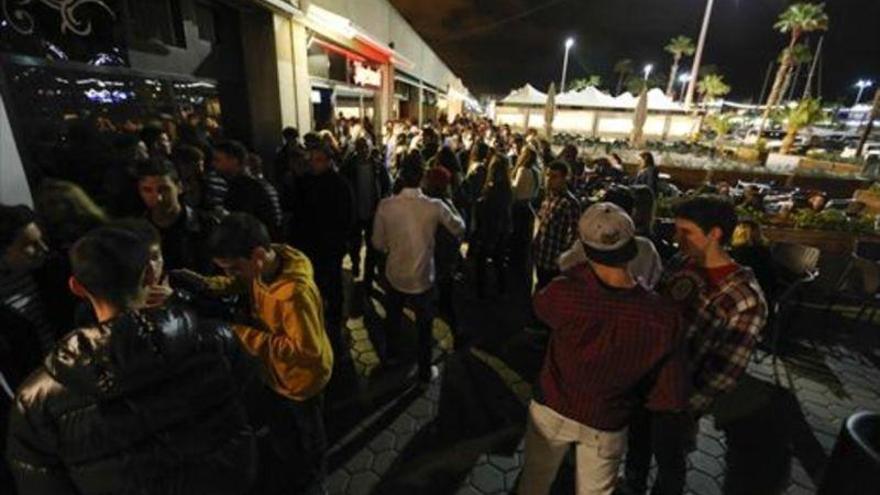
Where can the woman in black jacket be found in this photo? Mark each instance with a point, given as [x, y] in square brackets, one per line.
[493, 223]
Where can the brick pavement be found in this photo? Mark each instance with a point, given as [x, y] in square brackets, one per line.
[783, 428]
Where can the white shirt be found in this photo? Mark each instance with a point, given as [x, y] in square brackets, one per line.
[404, 227]
[645, 268]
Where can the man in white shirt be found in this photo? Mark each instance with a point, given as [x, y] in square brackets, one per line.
[404, 228]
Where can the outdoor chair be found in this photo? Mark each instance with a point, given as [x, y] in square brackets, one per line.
[861, 286]
[797, 265]
[854, 466]
[868, 249]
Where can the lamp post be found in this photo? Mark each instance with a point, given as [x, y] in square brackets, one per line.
[647, 70]
[698, 57]
[568, 44]
[683, 79]
[862, 85]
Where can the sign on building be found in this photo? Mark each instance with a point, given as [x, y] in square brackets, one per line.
[366, 76]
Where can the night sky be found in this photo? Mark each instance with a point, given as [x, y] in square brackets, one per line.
[493, 59]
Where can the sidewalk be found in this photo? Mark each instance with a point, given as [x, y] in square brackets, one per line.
[463, 435]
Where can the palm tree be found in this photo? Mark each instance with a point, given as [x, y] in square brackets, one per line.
[720, 125]
[800, 55]
[712, 86]
[585, 82]
[806, 113]
[634, 83]
[622, 68]
[679, 47]
[797, 20]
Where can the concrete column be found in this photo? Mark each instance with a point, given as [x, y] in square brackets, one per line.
[301, 82]
[667, 124]
[597, 115]
[384, 99]
[421, 103]
[286, 75]
[263, 73]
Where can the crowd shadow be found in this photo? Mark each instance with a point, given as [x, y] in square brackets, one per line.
[767, 429]
[477, 414]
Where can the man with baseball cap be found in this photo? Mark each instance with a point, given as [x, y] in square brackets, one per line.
[604, 358]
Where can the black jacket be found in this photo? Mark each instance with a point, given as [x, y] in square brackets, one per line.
[147, 403]
[185, 242]
[381, 181]
[256, 196]
[322, 216]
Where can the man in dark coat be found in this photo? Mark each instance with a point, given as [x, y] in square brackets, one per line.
[369, 183]
[247, 193]
[147, 401]
[322, 218]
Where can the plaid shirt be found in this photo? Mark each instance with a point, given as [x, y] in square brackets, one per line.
[623, 349]
[723, 322]
[557, 229]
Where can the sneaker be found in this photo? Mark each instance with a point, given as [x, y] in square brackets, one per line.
[429, 377]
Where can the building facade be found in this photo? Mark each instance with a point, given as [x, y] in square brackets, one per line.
[73, 70]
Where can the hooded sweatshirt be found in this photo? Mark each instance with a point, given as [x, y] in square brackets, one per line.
[292, 345]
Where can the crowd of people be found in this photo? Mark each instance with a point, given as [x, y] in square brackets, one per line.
[172, 323]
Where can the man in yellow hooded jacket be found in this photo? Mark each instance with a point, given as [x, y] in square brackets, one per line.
[287, 334]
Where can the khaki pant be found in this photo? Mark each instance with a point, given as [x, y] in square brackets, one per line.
[548, 438]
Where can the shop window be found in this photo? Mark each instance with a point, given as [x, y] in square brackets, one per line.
[327, 62]
[77, 123]
[206, 20]
[156, 21]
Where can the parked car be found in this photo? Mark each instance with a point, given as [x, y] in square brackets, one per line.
[872, 149]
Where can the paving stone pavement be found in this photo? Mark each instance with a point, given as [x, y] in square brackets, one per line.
[793, 408]
[827, 387]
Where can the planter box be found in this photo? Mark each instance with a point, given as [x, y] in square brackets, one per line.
[777, 162]
[828, 241]
[690, 178]
[871, 200]
[748, 154]
[811, 165]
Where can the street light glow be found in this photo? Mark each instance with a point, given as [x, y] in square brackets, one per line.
[569, 43]
[648, 68]
[862, 84]
[684, 78]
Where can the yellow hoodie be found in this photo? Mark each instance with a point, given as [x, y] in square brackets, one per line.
[293, 346]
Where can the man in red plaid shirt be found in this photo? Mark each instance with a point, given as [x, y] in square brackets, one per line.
[724, 311]
[556, 224]
[614, 346]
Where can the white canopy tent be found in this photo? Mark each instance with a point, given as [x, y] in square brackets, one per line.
[596, 113]
[587, 97]
[526, 95]
[591, 97]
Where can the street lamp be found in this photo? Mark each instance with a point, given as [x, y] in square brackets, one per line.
[698, 57]
[683, 79]
[862, 85]
[568, 44]
[647, 70]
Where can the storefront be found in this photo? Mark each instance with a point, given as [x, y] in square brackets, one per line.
[344, 83]
[78, 80]
[406, 97]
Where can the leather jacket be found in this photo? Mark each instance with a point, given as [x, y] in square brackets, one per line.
[146, 403]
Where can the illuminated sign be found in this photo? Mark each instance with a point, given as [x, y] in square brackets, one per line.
[366, 76]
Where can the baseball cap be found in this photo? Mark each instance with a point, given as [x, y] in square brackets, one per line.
[607, 234]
